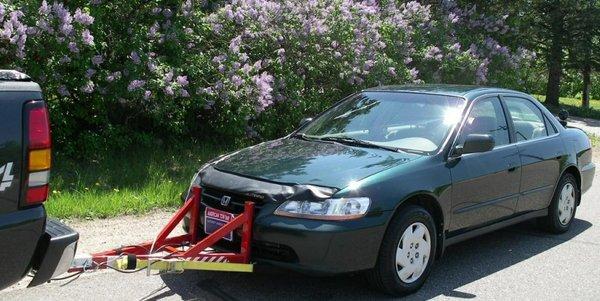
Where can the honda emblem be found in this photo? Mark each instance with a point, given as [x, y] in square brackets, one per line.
[225, 200]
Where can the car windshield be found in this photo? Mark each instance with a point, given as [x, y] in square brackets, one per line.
[409, 122]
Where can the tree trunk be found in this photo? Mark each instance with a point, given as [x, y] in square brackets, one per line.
[554, 74]
[555, 55]
[587, 70]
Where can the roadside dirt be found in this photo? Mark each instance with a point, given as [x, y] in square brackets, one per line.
[103, 234]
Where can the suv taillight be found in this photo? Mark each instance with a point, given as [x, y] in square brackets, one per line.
[38, 151]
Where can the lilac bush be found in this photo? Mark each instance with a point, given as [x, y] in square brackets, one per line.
[240, 68]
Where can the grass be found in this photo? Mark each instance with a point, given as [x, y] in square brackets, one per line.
[595, 140]
[573, 105]
[130, 182]
[140, 180]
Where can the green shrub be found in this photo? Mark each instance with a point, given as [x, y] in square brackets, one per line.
[137, 72]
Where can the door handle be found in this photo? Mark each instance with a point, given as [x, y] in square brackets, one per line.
[511, 167]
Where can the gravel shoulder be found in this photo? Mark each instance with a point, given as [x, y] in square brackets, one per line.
[103, 234]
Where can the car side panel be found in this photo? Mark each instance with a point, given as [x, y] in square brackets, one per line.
[485, 187]
[579, 151]
[541, 166]
[20, 232]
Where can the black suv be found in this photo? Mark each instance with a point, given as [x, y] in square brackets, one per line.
[29, 241]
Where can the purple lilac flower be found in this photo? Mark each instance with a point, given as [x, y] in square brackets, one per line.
[433, 52]
[43, 10]
[182, 80]
[167, 13]
[97, 60]
[113, 76]
[73, 47]
[147, 94]
[392, 71]
[153, 31]
[87, 37]
[64, 60]
[234, 45]
[264, 84]
[168, 77]
[135, 57]
[63, 91]
[184, 93]
[83, 18]
[414, 73]
[186, 8]
[482, 71]
[169, 91]
[90, 72]
[237, 81]
[408, 60]
[88, 87]
[455, 47]
[152, 66]
[135, 84]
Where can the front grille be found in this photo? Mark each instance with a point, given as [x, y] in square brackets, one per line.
[212, 197]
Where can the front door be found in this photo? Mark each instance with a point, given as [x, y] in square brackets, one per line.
[485, 186]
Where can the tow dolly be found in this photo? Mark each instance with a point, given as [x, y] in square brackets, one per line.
[179, 253]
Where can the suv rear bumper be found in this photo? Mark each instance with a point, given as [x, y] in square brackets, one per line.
[55, 252]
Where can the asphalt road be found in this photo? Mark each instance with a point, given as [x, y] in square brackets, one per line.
[516, 263]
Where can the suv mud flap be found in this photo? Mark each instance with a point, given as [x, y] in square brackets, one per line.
[55, 253]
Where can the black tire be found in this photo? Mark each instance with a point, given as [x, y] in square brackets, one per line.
[384, 275]
[552, 222]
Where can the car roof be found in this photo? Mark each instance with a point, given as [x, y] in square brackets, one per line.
[465, 91]
[11, 80]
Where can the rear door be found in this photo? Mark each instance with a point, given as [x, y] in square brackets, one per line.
[540, 150]
[485, 185]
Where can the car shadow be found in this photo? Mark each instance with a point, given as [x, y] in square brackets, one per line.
[461, 264]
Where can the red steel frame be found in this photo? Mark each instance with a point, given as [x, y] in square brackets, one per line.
[196, 248]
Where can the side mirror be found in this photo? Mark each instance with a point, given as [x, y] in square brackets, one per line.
[475, 143]
[305, 121]
[562, 117]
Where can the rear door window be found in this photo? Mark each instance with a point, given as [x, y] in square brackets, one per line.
[527, 119]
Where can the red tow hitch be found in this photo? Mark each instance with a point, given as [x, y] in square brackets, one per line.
[179, 253]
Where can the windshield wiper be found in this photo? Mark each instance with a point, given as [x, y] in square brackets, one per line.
[304, 137]
[358, 142]
[414, 151]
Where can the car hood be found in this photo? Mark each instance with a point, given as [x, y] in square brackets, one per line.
[297, 161]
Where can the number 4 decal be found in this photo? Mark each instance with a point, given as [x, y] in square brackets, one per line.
[7, 177]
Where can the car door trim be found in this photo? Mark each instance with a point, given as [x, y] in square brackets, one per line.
[493, 226]
[484, 204]
[538, 189]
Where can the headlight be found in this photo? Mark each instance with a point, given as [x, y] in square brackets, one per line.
[330, 209]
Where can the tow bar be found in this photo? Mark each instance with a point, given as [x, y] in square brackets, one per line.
[178, 253]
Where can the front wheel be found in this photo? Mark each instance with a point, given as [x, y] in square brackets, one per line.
[563, 206]
[407, 252]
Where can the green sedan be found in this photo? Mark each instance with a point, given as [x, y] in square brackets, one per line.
[388, 177]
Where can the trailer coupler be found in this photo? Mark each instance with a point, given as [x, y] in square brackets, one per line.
[179, 253]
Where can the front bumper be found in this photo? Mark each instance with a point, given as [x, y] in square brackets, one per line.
[55, 252]
[322, 247]
[313, 246]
